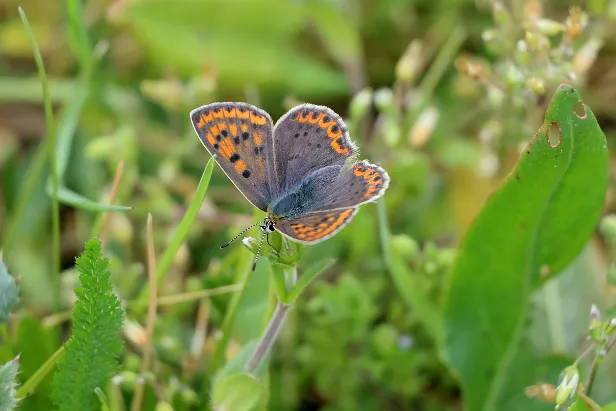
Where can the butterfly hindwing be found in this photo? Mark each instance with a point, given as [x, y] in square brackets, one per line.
[240, 135]
[316, 227]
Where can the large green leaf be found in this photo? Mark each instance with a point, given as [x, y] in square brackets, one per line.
[529, 230]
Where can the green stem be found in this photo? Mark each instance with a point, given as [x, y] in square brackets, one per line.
[30, 385]
[593, 373]
[268, 337]
[51, 136]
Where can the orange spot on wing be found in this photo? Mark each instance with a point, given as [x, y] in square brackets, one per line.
[258, 138]
[303, 118]
[201, 121]
[244, 115]
[334, 134]
[218, 113]
[211, 139]
[257, 119]
[226, 147]
[313, 120]
[240, 166]
[222, 126]
[233, 129]
[229, 113]
[320, 230]
[214, 130]
[338, 148]
[244, 127]
[204, 119]
[326, 124]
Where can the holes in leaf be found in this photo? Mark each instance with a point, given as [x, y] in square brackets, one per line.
[554, 134]
[580, 110]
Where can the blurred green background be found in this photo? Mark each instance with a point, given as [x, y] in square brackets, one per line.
[443, 94]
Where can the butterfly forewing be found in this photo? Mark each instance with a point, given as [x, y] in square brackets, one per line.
[240, 135]
[308, 138]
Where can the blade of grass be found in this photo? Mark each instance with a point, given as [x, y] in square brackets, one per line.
[30, 385]
[70, 197]
[149, 330]
[51, 136]
[182, 230]
[67, 125]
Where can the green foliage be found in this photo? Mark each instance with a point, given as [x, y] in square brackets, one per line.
[9, 293]
[8, 373]
[529, 231]
[440, 93]
[239, 392]
[94, 345]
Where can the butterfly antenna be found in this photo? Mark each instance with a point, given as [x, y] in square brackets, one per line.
[240, 234]
[254, 265]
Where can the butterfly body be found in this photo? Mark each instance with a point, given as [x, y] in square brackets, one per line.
[301, 171]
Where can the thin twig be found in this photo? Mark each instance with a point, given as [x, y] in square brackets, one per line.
[197, 295]
[149, 330]
[112, 198]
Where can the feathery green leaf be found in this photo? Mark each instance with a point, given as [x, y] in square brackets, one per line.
[93, 348]
[9, 293]
[8, 372]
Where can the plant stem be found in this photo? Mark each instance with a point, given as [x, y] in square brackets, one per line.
[268, 337]
[595, 367]
[593, 373]
[151, 319]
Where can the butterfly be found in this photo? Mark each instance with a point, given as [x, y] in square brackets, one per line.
[302, 171]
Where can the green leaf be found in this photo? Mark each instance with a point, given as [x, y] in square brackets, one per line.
[36, 344]
[238, 392]
[69, 197]
[584, 403]
[93, 348]
[306, 278]
[9, 292]
[8, 372]
[237, 363]
[610, 407]
[532, 227]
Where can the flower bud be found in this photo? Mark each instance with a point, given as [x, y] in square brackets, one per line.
[360, 104]
[568, 384]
